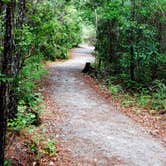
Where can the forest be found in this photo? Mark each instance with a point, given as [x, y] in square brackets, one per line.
[129, 37]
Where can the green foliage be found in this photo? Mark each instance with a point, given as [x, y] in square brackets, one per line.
[33, 148]
[43, 30]
[114, 40]
[6, 1]
[41, 144]
[29, 76]
[153, 99]
[115, 89]
[29, 99]
[7, 163]
[126, 43]
[50, 30]
[5, 79]
[25, 118]
[50, 147]
[128, 101]
[144, 100]
[159, 97]
[56, 28]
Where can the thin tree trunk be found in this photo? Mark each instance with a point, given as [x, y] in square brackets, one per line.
[132, 63]
[21, 13]
[96, 20]
[6, 70]
[1, 5]
[19, 24]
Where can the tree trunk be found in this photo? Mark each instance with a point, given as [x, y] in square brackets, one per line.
[132, 63]
[16, 61]
[6, 70]
[96, 20]
[21, 13]
[1, 7]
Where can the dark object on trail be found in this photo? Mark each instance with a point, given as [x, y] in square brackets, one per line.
[87, 68]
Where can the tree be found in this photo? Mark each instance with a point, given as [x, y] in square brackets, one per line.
[17, 58]
[32, 31]
[132, 54]
[130, 39]
[6, 74]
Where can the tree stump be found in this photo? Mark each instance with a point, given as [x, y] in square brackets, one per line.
[87, 67]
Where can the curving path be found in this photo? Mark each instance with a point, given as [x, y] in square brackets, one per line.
[96, 133]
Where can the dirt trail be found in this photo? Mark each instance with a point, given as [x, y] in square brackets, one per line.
[95, 131]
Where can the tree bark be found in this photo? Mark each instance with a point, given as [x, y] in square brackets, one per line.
[132, 63]
[17, 61]
[21, 13]
[6, 71]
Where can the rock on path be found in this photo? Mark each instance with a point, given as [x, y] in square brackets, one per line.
[95, 131]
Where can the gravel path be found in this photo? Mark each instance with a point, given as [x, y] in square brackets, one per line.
[95, 131]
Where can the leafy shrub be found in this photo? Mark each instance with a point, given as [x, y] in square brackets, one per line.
[159, 97]
[50, 147]
[23, 120]
[144, 100]
[116, 28]
[55, 33]
[115, 89]
[128, 101]
[41, 144]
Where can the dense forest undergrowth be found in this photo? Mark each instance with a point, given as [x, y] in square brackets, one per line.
[131, 51]
[129, 37]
